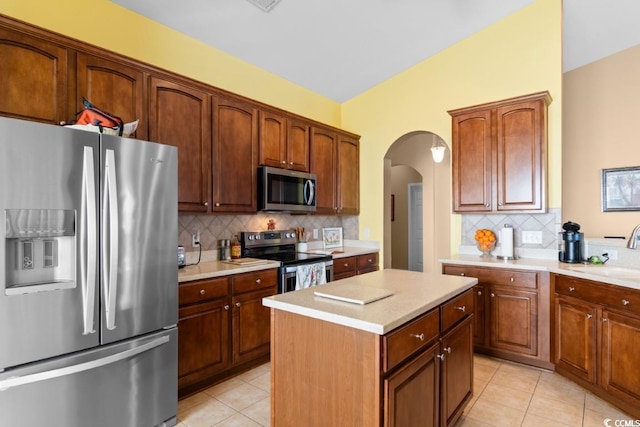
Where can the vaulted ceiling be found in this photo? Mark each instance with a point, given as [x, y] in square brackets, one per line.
[341, 48]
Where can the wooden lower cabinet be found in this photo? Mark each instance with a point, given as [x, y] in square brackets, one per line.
[512, 313]
[457, 371]
[354, 265]
[223, 328]
[597, 337]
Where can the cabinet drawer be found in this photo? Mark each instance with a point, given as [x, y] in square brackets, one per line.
[202, 290]
[456, 309]
[406, 340]
[599, 293]
[344, 265]
[367, 261]
[254, 280]
[495, 276]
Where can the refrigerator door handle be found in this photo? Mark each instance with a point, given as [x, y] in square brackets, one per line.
[88, 241]
[110, 239]
[81, 367]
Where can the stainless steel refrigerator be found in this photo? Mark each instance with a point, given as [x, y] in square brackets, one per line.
[88, 279]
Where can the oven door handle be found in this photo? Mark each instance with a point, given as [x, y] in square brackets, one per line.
[293, 268]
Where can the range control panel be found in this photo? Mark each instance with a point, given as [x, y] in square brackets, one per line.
[250, 239]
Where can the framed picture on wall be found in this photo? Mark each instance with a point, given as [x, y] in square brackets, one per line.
[621, 189]
[332, 237]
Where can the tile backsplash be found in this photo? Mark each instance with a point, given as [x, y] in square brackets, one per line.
[215, 227]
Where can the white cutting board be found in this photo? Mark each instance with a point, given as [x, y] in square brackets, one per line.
[355, 294]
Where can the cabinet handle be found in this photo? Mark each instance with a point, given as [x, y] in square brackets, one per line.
[571, 289]
[479, 292]
[226, 307]
[589, 315]
[493, 295]
[462, 309]
[258, 281]
[206, 203]
[440, 356]
[420, 337]
[447, 350]
[511, 279]
[625, 302]
[202, 292]
[604, 319]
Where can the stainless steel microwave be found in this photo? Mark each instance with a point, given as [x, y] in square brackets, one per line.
[286, 190]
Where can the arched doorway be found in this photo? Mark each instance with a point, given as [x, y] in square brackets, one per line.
[411, 152]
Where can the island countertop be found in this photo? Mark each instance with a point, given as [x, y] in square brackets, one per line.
[415, 293]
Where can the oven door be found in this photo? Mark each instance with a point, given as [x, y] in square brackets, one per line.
[288, 276]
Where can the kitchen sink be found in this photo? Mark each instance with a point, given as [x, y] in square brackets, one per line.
[613, 272]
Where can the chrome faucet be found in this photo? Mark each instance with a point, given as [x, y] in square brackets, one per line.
[633, 240]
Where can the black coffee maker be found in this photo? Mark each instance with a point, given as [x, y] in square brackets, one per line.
[570, 243]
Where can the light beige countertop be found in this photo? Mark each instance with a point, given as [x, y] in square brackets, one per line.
[414, 294]
[345, 251]
[607, 273]
[211, 269]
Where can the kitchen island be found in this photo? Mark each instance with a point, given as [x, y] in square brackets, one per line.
[401, 360]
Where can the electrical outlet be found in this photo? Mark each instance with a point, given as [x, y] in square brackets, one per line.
[532, 237]
[315, 233]
[195, 239]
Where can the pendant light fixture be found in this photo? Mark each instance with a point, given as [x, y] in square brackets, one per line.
[437, 149]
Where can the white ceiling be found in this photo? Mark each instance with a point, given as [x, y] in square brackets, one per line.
[341, 48]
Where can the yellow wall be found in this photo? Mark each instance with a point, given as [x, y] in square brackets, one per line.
[519, 55]
[110, 26]
[600, 131]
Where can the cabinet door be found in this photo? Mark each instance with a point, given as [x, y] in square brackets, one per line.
[251, 325]
[479, 319]
[298, 145]
[113, 87]
[324, 164]
[620, 356]
[235, 158]
[348, 176]
[521, 156]
[273, 140]
[411, 394]
[513, 320]
[472, 162]
[575, 337]
[181, 116]
[34, 78]
[203, 341]
[456, 371]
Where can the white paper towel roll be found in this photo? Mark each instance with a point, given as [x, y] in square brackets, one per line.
[506, 241]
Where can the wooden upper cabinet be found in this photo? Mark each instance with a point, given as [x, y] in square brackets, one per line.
[283, 142]
[180, 115]
[113, 87]
[324, 164]
[235, 156]
[499, 161]
[34, 82]
[348, 176]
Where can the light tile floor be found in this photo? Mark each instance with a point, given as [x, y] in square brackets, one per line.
[505, 394]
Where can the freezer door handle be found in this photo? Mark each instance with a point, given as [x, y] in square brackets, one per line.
[88, 241]
[81, 367]
[110, 239]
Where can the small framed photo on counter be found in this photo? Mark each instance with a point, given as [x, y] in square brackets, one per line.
[332, 237]
[621, 189]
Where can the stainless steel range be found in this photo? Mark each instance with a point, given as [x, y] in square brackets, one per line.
[281, 246]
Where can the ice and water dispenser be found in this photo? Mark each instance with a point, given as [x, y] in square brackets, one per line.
[40, 250]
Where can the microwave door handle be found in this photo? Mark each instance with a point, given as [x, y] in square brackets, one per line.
[110, 239]
[310, 187]
[88, 241]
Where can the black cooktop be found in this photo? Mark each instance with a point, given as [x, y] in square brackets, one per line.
[293, 258]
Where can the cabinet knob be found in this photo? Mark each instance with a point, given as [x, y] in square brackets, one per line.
[461, 308]
[479, 292]
[493, 295]
[511, 279]
[291, 163]
[202, 292]
[462, 274]
[499, 203]
[217, 204]
[370, 261]
[589, 315]
[346, 265]
[258, 281]
[447, 350]
[486, 205]
[284, 162]
[571, 289]
[441, 356]
[237, 304]
[226, 307]
[625, 302]
[206, 203]
[604, 319]
[420, 337]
